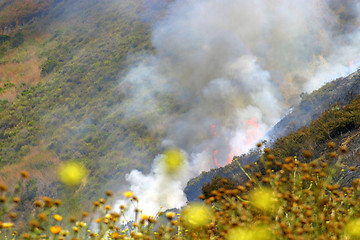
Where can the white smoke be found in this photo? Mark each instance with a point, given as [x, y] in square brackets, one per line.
[157, 189]
[344, 60]
[232, 67]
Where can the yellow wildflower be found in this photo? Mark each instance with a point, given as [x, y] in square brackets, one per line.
[7, 225]
[55, 229]
[170, 215]
[352, 228]
[128, 194]
[145, 217]
[116, 235]
[24, 174]
[64, 233]
[81, 224]
[57, 217]
[173, 160]
[263, 199]
[197, 215]
[72, 173]
[257, 233]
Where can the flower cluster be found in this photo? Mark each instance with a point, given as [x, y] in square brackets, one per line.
[283, 199]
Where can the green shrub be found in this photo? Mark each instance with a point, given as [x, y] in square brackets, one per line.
[17, 40]
[4, 38]
[49, 65]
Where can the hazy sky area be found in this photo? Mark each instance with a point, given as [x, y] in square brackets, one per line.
[234, 67]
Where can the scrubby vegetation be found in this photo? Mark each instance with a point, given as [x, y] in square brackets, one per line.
[15, 12]
[333, 123]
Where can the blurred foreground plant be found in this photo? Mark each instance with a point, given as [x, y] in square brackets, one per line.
[285, 199]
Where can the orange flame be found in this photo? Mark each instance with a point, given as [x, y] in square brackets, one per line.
[253, 134]
[215, 159]
[216, 151]
[213, 126]
[355, 60]
[351, 63]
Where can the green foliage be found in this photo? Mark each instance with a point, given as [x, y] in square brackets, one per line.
[4, 38]
[332, 124]
[4, 44]
[17, 40]
[31, 189]
[7, 86]
[7, 42]
[49, 65]
[3, 104]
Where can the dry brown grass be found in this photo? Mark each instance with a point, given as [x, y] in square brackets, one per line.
[22, 68]
[39, 162]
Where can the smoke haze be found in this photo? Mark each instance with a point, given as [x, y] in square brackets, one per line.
[231, 68]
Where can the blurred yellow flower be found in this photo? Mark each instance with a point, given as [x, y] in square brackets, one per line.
[263, 199]
[256, 233]
[173, 160]
[72, 173]
[64, 233]
[170, 215]
[81, 224]
[55, 229]
[197, 215]
[116, 235]
[239, 234]
[128, 194]
[352, 228]
[7, 225]
[57, 217]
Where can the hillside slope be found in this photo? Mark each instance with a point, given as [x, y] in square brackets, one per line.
[340, 91]
[339, 102]
[60, 95]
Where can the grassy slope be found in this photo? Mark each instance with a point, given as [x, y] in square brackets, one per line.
[66, 112]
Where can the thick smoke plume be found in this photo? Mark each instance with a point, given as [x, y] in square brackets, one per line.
[224, 73]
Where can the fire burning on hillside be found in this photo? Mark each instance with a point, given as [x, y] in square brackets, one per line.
[235, 66]
[216, 151]
[253, 135]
